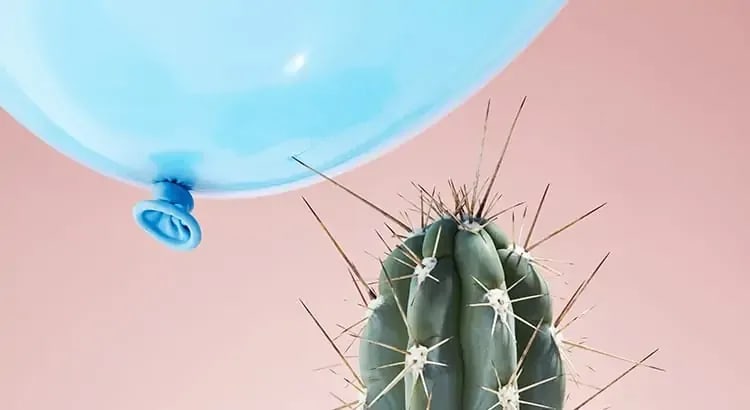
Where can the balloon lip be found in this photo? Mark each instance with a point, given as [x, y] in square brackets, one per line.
[168, 209]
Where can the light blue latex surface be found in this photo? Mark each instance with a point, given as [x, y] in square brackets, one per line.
[217, 96]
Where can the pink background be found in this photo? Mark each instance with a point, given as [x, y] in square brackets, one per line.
[640, 103]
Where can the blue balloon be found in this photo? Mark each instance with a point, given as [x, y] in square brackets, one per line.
[214, 98]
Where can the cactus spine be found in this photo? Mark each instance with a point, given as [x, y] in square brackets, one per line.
[463, 318]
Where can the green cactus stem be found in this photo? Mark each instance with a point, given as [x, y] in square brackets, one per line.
[460, 333]
[462, 318]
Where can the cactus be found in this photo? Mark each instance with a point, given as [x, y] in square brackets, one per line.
[463, 318]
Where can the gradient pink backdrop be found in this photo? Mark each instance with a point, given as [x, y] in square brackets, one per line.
[640, 103]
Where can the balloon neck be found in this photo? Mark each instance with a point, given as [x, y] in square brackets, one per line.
[167, 217]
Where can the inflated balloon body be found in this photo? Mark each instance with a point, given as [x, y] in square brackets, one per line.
[215, 98]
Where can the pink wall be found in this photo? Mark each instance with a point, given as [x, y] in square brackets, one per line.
[640, 103]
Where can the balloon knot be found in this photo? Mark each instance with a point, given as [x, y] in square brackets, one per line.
[167, 217]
